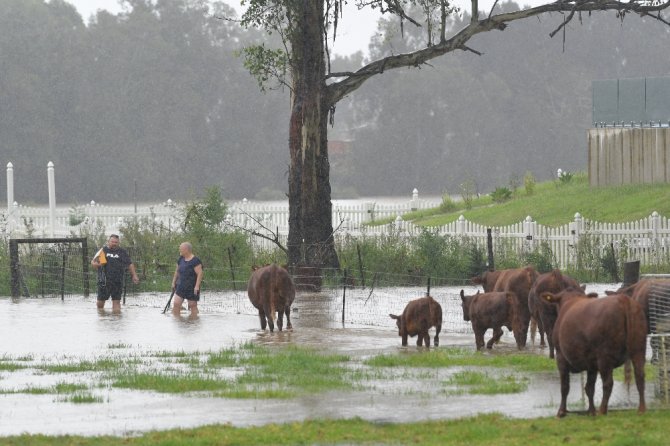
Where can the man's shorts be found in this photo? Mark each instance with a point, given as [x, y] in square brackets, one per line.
[110, 289]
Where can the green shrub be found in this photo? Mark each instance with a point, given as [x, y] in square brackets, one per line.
[501, 195]
[529, 183]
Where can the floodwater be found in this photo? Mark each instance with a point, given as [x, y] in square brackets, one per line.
[53, 331]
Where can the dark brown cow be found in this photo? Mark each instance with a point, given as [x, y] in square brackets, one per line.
[488, 310]
[271, 291]
[518, 281]
[544, 312]
[597, 335]
[417, 318]
[487, 279]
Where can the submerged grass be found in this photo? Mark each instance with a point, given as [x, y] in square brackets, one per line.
[617, 428]
[452, 357]
[481, 383]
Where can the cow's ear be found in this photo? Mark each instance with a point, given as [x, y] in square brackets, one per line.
[394, 316]
[583, 287]
[592, 295]
[609, 292]
[462, 295]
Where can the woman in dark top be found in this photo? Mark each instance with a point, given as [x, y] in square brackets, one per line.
[186, 280]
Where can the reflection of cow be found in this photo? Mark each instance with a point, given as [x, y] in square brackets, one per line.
[417, 318]
[654, 297]
[271, 291]
[542, 311]
[488, 310]
[597, 335]
[518, 281]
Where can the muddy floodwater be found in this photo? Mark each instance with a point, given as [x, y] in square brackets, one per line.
[48, 330]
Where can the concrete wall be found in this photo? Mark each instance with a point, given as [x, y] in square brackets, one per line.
[627, 155]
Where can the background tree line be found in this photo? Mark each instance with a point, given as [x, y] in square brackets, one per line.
[158, 94]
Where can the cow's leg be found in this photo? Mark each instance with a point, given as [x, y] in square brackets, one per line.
[479, 338]
[497, 334]
[287, 310]
[608, 383]
[280, 319]
[404, 339]
[261, 316]
[269, 316]
[419, 339]
[638, 366]
[438, 327]
[426, 339]
[590, 389]
[564, 373]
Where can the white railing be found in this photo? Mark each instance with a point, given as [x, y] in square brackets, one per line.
[647, 239]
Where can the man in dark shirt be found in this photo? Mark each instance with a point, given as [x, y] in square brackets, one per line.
[111, 262]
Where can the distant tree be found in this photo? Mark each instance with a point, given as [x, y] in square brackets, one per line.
[302, 64]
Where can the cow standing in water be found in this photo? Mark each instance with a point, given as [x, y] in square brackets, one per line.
[597, 335]
[488, 310]
[544, 312]
[517, 281]
[271, 291]
[417, 318]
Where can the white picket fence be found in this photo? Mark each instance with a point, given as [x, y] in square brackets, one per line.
[647, 239]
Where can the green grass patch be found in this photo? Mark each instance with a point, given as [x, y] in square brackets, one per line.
[453, 357]
[555, 204]
[99, 365]
[481, 383]
[617, 428]
[169, 382]
[81, 398]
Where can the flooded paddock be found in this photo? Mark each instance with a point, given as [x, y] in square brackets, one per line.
[52, 331]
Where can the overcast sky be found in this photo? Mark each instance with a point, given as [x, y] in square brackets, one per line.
[353, 33]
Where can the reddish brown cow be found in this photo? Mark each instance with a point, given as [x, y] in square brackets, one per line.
[417, 318]
[271, 291]
[597, 335]
[518, 281]
[544, 312]
[488, 310]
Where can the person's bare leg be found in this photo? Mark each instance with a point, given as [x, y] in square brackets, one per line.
[116, 306]
[176, 306]
[100, 304]
[193, 306]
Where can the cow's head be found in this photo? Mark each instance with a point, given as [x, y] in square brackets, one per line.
[399, 321]
[465, 303]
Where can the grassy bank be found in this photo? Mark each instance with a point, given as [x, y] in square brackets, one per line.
[555, 203]
[617, 428]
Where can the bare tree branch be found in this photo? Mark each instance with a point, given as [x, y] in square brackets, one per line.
[274, 237]
[340, 89]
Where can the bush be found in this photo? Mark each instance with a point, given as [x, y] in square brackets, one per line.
[447, 204]
[529, 183]
[501, 195]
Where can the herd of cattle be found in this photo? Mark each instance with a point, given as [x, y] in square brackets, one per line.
[584, 333]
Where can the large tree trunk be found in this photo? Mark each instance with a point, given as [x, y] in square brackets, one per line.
[310, 240]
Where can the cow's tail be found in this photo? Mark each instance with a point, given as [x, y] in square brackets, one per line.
[274, 292]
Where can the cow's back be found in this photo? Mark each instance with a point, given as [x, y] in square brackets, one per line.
[589, 329]
[422, 313]
[491, 309]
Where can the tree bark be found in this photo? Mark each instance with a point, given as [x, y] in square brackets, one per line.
[310, 240]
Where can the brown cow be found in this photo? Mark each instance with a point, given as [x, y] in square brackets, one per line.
[544, 312]
[597, 335]
[417, 318]
[518, 281]
[654, 297]
[271, 290]
[487, 279]
[488, 310]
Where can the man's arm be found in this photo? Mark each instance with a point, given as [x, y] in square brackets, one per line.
[133, 273]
